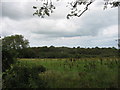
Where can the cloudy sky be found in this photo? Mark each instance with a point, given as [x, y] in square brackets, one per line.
[97, 27]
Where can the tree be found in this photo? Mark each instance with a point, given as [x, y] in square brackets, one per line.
[10, 49]
[48, 7]
[15, 42]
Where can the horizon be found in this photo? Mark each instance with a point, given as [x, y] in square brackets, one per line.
[68, 46]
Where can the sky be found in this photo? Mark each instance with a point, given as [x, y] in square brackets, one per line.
[96, 27]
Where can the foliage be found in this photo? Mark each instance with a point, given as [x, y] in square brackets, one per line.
[78, 69]
[48, 7]
[65, 52]
[10, 49]
[15, 42]
[22, 76]
[8, 58]
[82, 73]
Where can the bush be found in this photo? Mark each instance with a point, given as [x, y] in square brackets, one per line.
[21, 76]
[8, 58]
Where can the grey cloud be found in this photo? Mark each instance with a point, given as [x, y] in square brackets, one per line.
[84, 41]
[89, 25]
[17, 10]
[56, 29]
[96, 21]
[24, 10]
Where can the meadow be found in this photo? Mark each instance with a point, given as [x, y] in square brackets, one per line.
[77, 73]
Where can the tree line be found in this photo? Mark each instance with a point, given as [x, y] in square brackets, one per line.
[16, 46]
[19, 47]
[66, 52]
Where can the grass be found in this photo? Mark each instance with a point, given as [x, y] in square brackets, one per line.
[81, 73]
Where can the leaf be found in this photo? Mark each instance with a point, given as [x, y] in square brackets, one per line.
[47, 12]
[34, 7]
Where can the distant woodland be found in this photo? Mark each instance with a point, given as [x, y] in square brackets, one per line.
[20, 47]
[66, 52]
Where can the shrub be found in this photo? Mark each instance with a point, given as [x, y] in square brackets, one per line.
[8, 58]
[21, 76]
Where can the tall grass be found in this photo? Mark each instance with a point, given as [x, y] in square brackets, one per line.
[78, 73]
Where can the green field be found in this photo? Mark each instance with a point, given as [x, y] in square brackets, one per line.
[77, 73]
